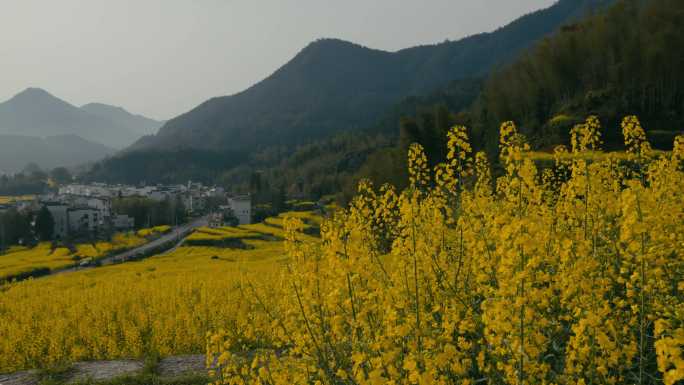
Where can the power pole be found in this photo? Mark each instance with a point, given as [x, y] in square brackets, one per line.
[175, 219]
[2, 235]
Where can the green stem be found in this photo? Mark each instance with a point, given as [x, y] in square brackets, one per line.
[415, 275]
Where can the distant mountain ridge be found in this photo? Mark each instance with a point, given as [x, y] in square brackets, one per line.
[16, 151]
[138, 124]
[333, 85]
[35, 112]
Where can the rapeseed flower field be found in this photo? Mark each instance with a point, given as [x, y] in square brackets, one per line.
[11, 199]
[157, 230]
[164, 304]
[18, 260]
[572, 274]
[44, 256]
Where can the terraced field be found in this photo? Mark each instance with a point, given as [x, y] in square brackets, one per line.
[22, 262]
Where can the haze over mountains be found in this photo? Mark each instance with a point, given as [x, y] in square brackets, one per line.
[333, 85]
[132, 123]
[16, 151]
[36, 126]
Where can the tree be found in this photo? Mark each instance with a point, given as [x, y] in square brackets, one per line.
[147, 212]
[179, 212]
[14, 227]
[255, 183]
[230, 219]
[45, 224]
[408, 132]
[279, 203]
[20, 184]
[61, 175]
[39, 176]
[31, 168]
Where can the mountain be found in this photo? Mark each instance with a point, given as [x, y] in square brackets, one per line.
[330, 88]
[35, 112]
[333, 85]
[17, 151]
[138, 124]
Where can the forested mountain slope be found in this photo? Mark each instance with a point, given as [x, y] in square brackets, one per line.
[625, 61]
[333, 85]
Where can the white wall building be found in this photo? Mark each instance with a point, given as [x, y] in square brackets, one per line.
[217, 192]
[242, 208]
[103, 205]
[96, 189]
[162, 194]
[84, 219]
[193, 201]
[136, 191]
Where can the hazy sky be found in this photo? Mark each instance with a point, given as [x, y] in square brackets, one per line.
[163, 57]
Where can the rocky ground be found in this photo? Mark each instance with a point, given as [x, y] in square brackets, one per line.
[169, 368]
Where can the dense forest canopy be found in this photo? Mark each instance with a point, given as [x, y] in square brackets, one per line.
[627, 60]
[167, 167]
[24, 183]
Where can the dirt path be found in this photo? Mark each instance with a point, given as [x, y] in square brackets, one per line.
[168, 368]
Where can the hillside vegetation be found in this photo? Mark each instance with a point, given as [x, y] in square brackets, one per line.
[625, 60]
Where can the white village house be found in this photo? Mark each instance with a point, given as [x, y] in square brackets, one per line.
[82, 220]
[241, 206]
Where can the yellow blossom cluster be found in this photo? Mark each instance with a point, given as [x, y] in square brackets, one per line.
[587, 136]
[206, 234]
[20, 260]
[44, 257]
[119, 242]
[163, 229]
[4, 199]
[635, 137]
[570, 275]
